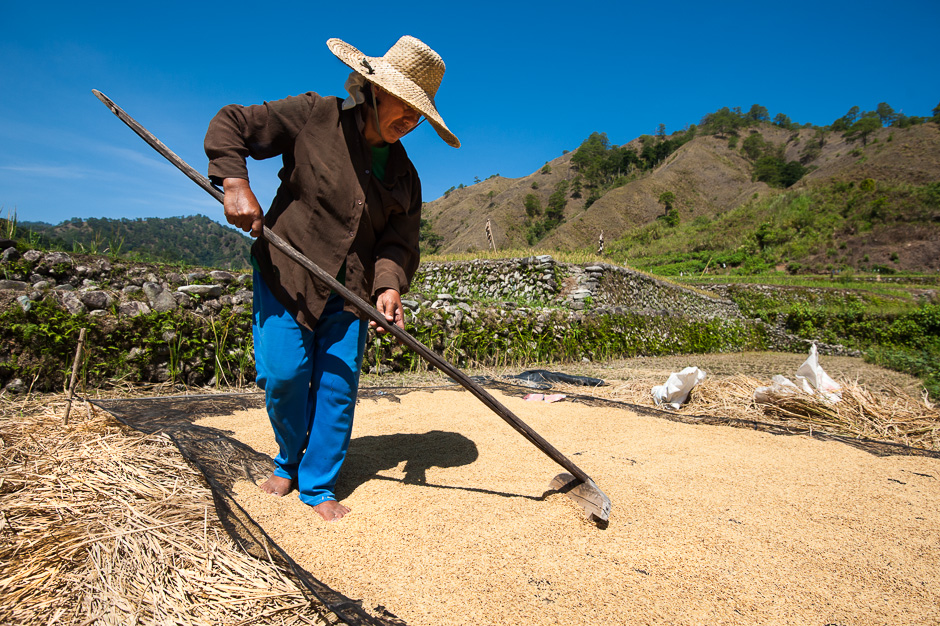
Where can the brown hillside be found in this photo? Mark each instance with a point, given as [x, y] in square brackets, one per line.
[460, 216]
[909, 155]
[706, 176]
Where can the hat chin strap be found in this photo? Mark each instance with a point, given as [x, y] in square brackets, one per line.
[375, 107]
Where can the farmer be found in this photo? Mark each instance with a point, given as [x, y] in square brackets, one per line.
[350, 200]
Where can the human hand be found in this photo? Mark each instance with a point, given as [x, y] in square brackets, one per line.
[241, 207]
[389, 304]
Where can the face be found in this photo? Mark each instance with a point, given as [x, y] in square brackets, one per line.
[396, 119]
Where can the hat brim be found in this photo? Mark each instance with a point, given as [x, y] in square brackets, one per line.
[395, 83]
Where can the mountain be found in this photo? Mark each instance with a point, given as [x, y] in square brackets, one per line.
[194, 240]
[728, 183]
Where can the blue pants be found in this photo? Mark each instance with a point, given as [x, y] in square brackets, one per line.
[310, 381]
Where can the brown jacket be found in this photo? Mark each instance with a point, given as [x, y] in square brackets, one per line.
[329, 206]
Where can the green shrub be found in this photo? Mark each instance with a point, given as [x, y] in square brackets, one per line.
[671, 218]
[40, 345]
[533, 206]
[522, 339]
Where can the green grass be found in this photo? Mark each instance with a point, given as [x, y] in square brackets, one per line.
[868, 282]
[883, 297]
[891, 329]
[788, 227]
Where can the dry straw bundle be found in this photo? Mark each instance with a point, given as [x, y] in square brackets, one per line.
[101, 525]
[888, 416]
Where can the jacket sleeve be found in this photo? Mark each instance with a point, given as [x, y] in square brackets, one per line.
[397, 254]
[259, 131]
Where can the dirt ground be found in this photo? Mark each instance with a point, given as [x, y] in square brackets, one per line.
[452, 521]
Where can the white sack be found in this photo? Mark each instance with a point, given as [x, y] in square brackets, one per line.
[812, 372]
[812, 380]
[677, 387]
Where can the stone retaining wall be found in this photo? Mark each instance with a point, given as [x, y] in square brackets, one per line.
[98, 287]
[540, 280]
[95, 285]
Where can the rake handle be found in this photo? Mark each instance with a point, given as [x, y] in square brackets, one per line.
[429, 355]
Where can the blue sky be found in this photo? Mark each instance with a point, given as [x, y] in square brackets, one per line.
[524, 81]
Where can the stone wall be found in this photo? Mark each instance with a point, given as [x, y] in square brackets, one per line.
[97, 286]
[507, 291]
[542, 281]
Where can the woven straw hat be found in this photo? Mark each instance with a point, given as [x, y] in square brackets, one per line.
[410, 71]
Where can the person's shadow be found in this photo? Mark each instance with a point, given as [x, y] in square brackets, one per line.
[369, 455]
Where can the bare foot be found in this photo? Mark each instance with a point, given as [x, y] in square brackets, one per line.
[277, 486]
[331, 510]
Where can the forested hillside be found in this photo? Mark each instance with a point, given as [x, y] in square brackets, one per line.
[861, 193]
[193, 240]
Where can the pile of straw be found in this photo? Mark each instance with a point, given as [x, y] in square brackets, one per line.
[101, 525]
[890, 415]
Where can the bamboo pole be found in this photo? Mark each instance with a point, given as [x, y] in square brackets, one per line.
[78, 354]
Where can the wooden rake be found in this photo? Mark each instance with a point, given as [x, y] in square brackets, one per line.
[575, 483]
